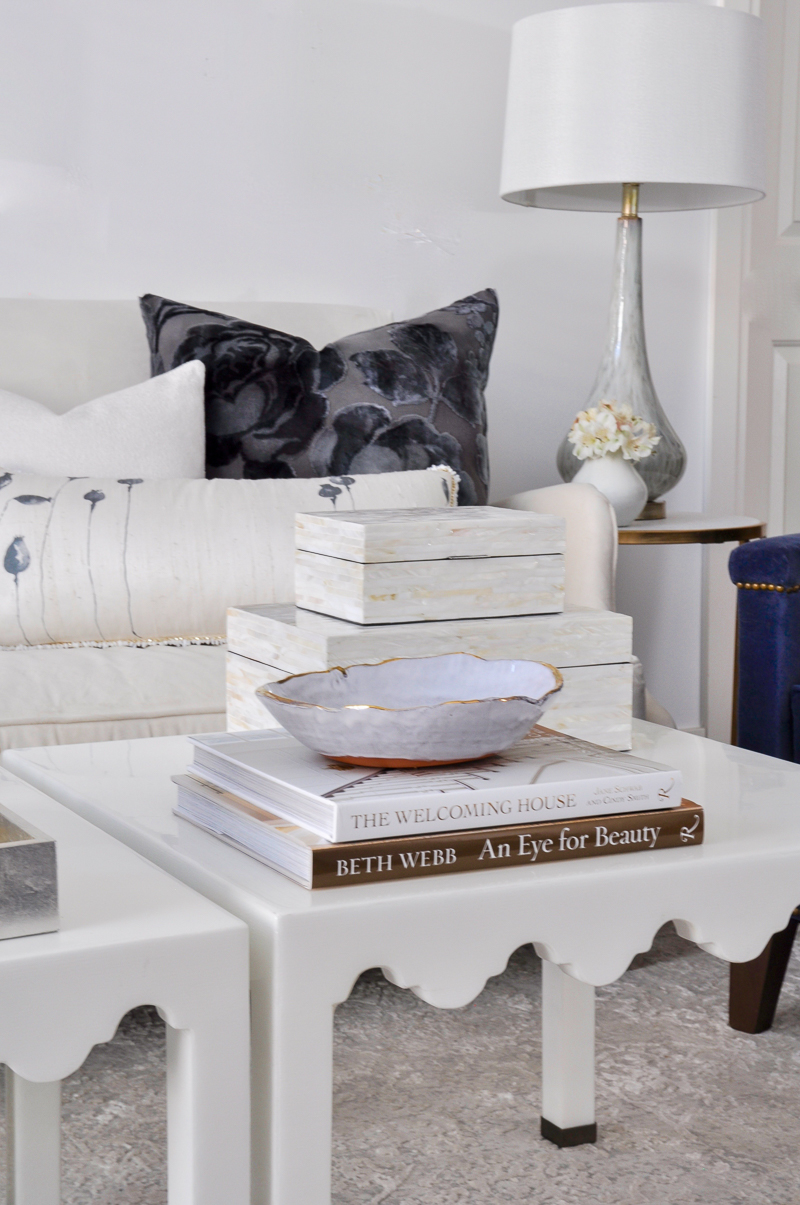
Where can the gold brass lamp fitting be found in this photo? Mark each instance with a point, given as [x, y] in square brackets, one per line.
[630, 200]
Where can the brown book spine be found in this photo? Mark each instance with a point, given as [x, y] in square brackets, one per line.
[497, 848]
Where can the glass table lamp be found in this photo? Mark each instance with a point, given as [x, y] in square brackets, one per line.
[635, 107]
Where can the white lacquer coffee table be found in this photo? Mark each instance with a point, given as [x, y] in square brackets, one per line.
[129, 935]
[443, 937]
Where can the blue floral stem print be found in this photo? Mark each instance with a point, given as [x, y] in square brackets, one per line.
[130, 482]
[330, 491]
[53, 501]
[92, 497]
[25, 500]
[16, 561]
[346, 482]
[5, 480]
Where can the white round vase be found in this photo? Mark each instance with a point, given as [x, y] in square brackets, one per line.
[616, 477]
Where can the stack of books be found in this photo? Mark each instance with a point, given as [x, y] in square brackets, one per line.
[323, 824]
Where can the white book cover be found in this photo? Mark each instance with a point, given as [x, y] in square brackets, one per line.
[283, 846]
[547, 776]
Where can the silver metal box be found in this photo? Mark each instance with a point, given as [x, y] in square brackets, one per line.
[28, 878]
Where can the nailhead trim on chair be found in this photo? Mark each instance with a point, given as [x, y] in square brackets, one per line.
[767, 586]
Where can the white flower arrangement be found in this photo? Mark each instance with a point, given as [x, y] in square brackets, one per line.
[611, 427]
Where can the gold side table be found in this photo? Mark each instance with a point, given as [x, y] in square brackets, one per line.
[698, 529]
[693, 529]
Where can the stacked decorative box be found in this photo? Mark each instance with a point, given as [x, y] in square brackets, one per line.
[377, 584]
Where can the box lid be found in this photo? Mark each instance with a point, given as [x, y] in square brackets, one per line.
[428, 534]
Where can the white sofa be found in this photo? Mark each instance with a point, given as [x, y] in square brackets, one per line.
[62, 353]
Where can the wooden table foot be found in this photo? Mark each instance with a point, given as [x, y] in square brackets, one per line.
[573, 1136]
[756, 985]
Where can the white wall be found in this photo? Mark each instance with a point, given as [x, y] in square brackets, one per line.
[344, 151]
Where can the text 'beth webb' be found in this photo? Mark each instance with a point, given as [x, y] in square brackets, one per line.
[380, 863]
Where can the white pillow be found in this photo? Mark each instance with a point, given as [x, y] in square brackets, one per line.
[156, 429]
[97, 560]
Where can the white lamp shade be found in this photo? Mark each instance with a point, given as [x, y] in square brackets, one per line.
[670, 96]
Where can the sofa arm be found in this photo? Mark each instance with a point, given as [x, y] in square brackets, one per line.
[767, 573]
[591, 546]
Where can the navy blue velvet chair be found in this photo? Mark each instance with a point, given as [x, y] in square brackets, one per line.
[767, 703]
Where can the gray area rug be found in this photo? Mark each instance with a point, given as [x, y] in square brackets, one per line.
[442, 1108]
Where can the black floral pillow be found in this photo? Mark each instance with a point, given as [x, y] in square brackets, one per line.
[403, 396]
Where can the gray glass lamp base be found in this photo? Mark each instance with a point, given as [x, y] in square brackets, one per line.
[624, 374]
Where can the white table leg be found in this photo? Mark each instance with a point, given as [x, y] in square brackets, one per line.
[208, 1114]
[300, 1098]
[33, 1120]
[567, 1058]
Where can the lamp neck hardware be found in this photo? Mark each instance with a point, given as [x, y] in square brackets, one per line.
[630, 200]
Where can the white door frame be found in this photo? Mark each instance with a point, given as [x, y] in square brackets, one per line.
[754, 355]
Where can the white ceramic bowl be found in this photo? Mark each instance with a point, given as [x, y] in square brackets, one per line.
[414, 711]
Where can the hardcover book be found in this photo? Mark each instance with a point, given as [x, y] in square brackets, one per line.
[312, 862]
[546, 776]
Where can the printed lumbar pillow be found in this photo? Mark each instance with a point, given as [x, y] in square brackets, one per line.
[95, 559]
[155, 429]
[403, 396]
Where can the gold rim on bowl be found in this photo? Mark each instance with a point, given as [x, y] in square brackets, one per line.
[270, 694]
